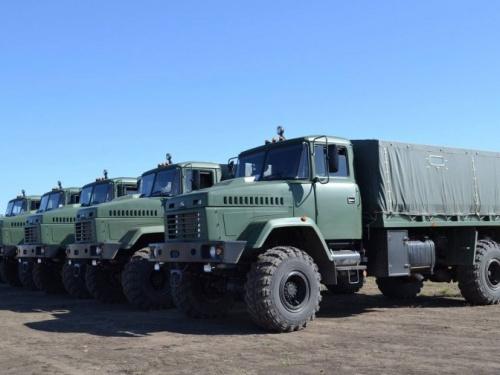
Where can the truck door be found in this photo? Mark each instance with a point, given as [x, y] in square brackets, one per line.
[338, 202]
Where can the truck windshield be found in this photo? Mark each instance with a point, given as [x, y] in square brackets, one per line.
[15, 207]
[96, 194]
[250, 165]
[51, 201]
[278, 163]
[162, 183]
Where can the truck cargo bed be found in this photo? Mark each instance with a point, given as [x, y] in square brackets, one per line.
[413, 183]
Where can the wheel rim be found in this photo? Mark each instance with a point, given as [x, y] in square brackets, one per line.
[211, 290]
[295, 291]
[113, 277]
[493, 274]
[157, 280]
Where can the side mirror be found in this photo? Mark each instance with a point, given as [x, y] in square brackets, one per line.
[195, 182]
[230, 168]
[333, 159]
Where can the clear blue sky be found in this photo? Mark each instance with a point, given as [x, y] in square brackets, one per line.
[87, 85]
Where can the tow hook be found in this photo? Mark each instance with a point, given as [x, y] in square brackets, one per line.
[175, 277]
[76, 270]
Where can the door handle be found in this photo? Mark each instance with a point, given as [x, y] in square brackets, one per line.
[351, 200]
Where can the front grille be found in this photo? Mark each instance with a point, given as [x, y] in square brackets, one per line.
[32, 234]
[184, 226]
[84, 231]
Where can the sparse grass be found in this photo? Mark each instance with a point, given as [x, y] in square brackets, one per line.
[431, 289]
[292, 362]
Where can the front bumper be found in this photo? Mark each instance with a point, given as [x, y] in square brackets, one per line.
[92, 251]
[228, 252]
[8, 251]
[38, 251]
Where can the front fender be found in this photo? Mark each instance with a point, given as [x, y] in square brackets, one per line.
[134, 234]
[257, 232]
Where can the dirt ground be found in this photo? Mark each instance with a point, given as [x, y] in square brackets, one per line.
[359, 334]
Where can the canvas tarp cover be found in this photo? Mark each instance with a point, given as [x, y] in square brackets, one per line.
[413, 179]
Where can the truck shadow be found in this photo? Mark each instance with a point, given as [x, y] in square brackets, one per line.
[341, 306]
[63, 314]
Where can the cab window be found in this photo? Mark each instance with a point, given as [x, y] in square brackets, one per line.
[322, 165]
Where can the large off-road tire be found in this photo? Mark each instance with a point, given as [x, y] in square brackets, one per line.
[9, 268]
[480, 283]
[399, 287]
[103, 283]
[25, 271]
[145, 288]
[47, 277]
[283, 289]
[2, 280]
[74, 280]
[344, 286]
[202, 296]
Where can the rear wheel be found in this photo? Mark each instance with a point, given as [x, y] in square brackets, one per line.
[283, 289]
[399, 287]
[25, 271]
[9, 268]
[47, 277]
[103, 283]
[73, 276]
[480, 283]
[144, 287]
[202, 296]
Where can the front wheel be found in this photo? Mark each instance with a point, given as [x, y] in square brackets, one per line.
[283, 289]
[103, 283]
[480, 283]
[47, 277]
[25, 271]
[73, 276]
[202, 296]
[9, 268]
[2, 280]
[144, 287]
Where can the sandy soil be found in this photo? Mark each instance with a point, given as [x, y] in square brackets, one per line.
[359, 334]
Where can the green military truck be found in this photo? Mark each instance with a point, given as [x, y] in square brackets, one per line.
[320, 210]
[48, 232]
[42, 234]
[12, 234]
[114, 237]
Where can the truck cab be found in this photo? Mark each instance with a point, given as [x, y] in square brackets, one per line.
[51, 229]
[108, 236]
[294, 200]
[12, 233]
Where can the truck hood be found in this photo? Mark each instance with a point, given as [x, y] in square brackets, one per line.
[238, 192]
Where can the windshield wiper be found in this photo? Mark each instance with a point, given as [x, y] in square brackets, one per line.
[160, 192]
[272, 176]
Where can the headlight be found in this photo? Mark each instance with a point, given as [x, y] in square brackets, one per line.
[157, 252]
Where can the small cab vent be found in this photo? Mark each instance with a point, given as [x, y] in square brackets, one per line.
[133, 213]
[253, 201]
[63, 219]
